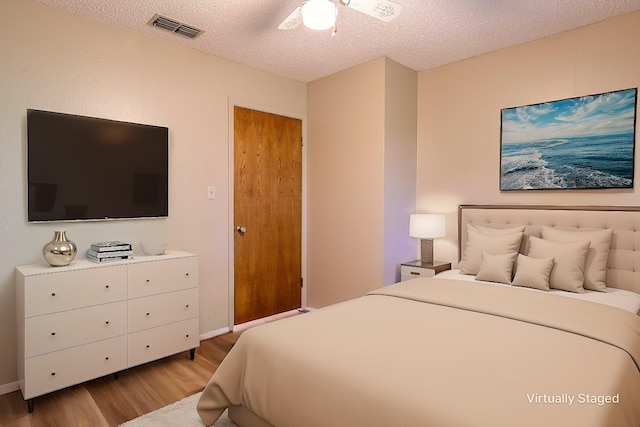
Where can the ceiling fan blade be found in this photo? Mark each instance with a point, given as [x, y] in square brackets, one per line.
[293, 20]
[384, 10]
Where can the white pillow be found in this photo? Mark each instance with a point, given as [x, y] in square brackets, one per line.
[533, 272]
[568, 271]
[494, 245]
[496, 268]
[494, 231]
[595, 271]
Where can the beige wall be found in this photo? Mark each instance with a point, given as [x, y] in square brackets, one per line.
[362, 148]
[55, 60]
[345, 183]
[400, 134]
[459, 115]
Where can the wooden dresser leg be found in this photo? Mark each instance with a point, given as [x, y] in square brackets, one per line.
[30, 405]
[192, 353]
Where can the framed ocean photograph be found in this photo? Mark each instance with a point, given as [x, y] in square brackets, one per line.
[586, 142]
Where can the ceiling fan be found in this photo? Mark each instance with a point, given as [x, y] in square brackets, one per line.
[321, 14]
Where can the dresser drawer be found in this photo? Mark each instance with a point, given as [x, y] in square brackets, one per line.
[157, 310]
[407, 272]
[414, 269]
[152, 344]
[154, 277]
[61, 369]
[50, 293]
[53, 332]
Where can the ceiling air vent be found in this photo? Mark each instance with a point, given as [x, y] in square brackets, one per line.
[175, 26]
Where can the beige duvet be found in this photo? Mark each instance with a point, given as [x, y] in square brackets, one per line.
[434, 352]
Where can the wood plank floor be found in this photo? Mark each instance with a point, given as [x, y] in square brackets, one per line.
[108, 401]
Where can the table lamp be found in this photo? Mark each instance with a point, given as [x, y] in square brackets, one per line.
[427, 227]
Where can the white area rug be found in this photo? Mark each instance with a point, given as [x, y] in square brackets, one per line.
[181, 413]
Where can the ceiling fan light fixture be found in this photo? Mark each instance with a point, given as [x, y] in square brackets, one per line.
[319, 14]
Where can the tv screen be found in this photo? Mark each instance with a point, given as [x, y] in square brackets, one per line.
[85, 168]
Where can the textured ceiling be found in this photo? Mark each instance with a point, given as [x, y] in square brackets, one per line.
[426, 34]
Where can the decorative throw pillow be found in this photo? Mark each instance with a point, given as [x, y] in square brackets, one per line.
[595, 271]
[494, 245]
[496, 268]
[494, 231]
[568, 272]
[533, 272]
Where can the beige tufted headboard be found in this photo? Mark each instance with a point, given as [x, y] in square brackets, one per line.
[623, 270]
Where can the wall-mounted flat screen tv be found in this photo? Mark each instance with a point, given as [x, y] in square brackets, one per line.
[86, 168]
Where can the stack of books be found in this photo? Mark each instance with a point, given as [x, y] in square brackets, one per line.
[110, 251]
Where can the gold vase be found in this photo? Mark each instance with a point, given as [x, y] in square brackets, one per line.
[59, 251]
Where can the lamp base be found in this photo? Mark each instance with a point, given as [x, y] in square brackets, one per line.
[426, 251]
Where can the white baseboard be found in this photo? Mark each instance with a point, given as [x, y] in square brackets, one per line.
[8, 388]
[214, 333]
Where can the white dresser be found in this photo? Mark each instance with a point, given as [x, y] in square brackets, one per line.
[87, 320]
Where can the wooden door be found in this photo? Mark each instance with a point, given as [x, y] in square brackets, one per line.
[267, 214]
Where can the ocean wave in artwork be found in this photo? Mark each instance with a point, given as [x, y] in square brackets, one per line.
[586, 162]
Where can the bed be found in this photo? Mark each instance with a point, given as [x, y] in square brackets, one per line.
[456, 351]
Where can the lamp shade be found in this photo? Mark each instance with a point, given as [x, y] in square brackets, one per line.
[319, 14]
[427, 226]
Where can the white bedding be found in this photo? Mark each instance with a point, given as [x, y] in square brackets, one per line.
[618, 298]
[434, 352]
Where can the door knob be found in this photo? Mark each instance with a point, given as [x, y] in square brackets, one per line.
[241, 229]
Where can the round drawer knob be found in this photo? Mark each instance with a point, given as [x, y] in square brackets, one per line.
[187, 336]
[53, 333]
[53, 374]
[187, 274]
[186, 306]
[53, 294]
[148, 346]
[106, 323]
[147, 280]
[148, 314]
[106, 286]
[106, 358]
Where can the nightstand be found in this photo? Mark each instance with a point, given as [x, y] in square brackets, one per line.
[413, 269]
